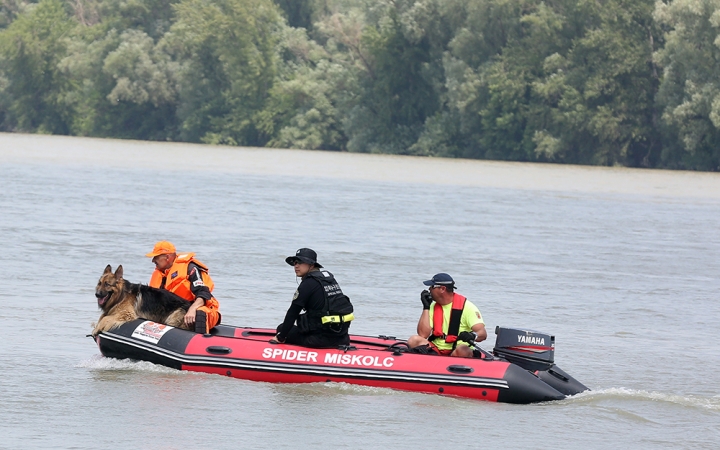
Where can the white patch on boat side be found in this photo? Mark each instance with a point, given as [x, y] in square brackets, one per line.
[151, 331]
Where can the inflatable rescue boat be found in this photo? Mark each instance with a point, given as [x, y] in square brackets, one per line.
[520, 369]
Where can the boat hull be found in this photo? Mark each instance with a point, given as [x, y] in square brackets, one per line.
[369, 361]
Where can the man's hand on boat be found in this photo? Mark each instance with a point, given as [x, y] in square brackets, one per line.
[468, 336]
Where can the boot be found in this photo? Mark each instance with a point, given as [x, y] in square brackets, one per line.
[201, 322]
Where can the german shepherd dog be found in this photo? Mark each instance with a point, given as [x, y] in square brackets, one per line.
[122, 301]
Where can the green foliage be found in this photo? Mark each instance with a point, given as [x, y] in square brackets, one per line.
[690, 90]
[301, 111]
[33, 88]
[227, 50]
[153, 17]
[124, 85]
[9, 11]
[299, 13]
[396, 95]
[567, 83]
[618, 82]
[600, 92]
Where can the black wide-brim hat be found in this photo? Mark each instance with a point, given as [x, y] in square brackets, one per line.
[304, 255]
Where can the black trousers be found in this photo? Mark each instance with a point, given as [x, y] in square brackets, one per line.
[316, 340]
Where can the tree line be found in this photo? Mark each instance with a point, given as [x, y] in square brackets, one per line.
[605, 82]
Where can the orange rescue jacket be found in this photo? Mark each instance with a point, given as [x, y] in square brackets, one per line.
[176, 278]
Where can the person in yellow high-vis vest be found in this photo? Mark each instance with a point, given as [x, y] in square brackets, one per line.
[449, 321]
[185, 276]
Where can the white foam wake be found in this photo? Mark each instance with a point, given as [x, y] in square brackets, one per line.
[99, 362]
[694, 401]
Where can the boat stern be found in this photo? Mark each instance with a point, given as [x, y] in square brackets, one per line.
[524, 387]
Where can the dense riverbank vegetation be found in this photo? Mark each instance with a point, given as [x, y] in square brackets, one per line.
[612, 82]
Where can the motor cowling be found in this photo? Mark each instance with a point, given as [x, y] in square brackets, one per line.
[529, 349]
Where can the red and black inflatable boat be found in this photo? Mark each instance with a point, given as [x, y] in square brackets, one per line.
[520, 370]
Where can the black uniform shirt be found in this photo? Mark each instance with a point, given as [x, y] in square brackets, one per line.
[310, 297]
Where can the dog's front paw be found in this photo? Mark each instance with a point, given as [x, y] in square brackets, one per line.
[99, 328]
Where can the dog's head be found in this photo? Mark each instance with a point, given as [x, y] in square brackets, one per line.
[109, 288]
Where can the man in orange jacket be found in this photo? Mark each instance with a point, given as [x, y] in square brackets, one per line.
[185, 276]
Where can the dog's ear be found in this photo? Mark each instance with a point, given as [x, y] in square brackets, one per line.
[108, 269]
[119, 272]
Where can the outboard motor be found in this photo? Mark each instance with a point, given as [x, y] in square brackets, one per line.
[531, 350]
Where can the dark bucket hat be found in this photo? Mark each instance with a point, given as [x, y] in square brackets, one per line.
[304, 255]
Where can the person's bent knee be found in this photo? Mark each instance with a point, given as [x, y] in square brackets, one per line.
[414, 341]
[462, 351]
[212, 316]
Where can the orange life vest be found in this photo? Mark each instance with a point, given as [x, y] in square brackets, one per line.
[176, 277]
[454, 324]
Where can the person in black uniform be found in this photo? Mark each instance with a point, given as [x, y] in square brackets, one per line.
[320, 314]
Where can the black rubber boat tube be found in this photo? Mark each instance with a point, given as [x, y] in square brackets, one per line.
[562, 381]
[525, 387]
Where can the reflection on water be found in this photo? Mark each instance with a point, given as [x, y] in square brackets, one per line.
[620, 265]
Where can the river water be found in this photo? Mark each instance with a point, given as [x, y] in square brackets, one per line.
[622, 266]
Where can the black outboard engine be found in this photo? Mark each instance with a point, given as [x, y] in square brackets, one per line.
[531, 350]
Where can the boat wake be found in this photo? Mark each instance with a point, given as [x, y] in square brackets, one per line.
[99, 362]
[692, 401]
